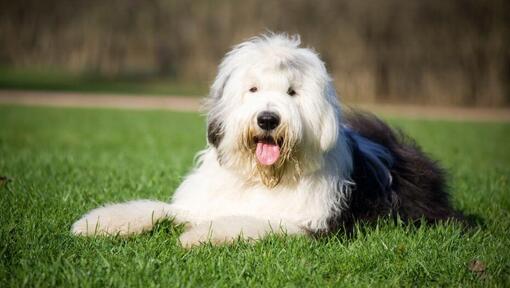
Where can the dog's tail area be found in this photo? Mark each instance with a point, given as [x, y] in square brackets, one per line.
[128, 218]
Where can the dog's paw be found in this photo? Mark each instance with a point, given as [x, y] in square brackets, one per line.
[85, 227]
[101, 222]
[196, 236]
[189, 239]
[90, 226]
[204, 233]
[226, 230]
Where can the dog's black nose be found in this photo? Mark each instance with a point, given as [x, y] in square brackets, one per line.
[268, 120]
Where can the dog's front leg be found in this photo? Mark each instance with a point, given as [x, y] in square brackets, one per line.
[128, 218]
[225, 230]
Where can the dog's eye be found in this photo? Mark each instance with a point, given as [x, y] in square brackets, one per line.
[291, 91]
[253, 89]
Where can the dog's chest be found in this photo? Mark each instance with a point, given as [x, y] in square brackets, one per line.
[294, 204]
[211, 192]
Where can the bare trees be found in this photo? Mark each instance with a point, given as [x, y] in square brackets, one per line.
[443, 52]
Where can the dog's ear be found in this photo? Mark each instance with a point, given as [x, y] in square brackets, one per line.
[330, 119]
[214, 132]
[221, 80]
[214, 124]
[218, 87]
[329, 129]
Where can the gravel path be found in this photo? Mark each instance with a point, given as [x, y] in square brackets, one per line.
[192, 104]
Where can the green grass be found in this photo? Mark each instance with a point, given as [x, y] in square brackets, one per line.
[19, 79]
[62, 162]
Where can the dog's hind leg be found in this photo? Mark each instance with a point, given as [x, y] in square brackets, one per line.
[128, 218]
[226, 230]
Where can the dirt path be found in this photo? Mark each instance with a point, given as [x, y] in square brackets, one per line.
[98, 100]
[192, 104]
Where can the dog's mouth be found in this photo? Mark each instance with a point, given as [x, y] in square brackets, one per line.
[268, 150]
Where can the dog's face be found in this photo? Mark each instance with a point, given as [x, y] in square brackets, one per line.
[272, 111]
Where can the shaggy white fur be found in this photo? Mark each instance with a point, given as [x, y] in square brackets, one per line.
[230, 194]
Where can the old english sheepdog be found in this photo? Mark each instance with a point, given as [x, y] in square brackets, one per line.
[282, 158]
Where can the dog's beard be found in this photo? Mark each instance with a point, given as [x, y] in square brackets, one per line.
[286, 164]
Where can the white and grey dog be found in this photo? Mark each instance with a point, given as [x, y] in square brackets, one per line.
[282, 159]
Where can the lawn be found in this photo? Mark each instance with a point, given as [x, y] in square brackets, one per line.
[59, 163]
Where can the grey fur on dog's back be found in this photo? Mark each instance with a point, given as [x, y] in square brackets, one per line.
[417, 187]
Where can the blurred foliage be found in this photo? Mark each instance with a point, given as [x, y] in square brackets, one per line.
[49, 80]
[408, 51]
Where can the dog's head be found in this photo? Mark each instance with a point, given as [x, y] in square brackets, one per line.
[272, 110]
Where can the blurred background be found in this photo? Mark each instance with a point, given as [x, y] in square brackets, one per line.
[437, 52]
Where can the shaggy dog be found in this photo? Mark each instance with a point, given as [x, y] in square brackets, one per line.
[283, 159]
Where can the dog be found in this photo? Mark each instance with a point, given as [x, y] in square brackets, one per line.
[282, 158]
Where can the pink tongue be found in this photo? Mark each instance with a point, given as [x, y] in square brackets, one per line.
[267, 154]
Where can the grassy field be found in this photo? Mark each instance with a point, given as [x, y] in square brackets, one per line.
[17, 79]
[59, 163]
